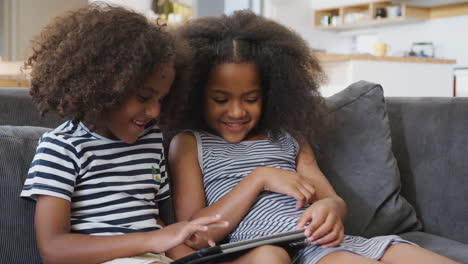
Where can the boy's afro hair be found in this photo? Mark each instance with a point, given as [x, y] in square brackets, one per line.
[86, 61]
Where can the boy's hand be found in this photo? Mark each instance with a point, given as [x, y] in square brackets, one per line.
[177, 233]
[289, 183]
[326, 227]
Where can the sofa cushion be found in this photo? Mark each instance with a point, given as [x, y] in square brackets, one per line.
[447, 247]
[17, 148]
[356, 156]
[431, 145]
[17, 109]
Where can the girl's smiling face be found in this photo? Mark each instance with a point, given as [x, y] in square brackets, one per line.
[133, 114]
[233, 101]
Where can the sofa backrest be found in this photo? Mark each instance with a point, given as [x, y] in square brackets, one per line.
[17, 147]
[430, 143]
[16, 109]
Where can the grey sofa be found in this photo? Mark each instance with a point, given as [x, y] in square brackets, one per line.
[400, 163]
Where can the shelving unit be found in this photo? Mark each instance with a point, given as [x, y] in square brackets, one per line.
[364, 16]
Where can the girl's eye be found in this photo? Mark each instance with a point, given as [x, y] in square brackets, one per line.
[220, 101]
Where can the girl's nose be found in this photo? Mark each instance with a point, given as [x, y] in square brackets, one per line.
[236, 110]
[152, 110]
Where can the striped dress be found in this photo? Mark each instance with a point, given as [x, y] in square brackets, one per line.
[113, 187]
[224, 165]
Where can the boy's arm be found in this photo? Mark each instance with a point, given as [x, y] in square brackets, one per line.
[179, 251]
[57, 245]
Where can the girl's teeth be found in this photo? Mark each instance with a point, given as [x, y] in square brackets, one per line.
[234, 125]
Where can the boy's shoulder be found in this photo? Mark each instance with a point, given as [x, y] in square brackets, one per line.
[65, 130]
[66, 135]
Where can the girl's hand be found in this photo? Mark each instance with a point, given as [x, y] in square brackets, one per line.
[180, 232]
[289, 183]
[326, 227]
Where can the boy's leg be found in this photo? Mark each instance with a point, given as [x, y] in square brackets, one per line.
[402, 253]
[339, 257]
[263, 254]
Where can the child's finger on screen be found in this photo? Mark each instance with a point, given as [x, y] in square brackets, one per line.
[211, 243]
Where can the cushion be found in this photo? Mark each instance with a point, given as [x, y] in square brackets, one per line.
[430, 143]
[17, 240]
[441, 245]
[17, 109]
[356, 157]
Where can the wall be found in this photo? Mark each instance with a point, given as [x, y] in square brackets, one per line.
[297, 15]
[449, 36]
[2, 29]
[25, 20]
[209, 8]
[140, 6]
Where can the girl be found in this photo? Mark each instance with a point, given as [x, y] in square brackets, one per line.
[98, 178]
[254, 109]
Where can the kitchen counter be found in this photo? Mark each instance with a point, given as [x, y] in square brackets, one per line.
[332, 57]
[11, 74]
[399, 76]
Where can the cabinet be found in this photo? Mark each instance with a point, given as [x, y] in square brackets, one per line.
[399, 76]
[370, 14]
[461, 82]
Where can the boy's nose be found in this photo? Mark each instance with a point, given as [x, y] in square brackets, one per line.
[152, 110]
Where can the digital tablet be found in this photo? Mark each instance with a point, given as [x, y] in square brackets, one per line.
[223, 250]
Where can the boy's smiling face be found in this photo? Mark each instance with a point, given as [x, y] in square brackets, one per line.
[131, 117]
[233, 101]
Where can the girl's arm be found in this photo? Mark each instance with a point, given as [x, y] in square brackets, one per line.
[189, 195]
[326, 215]
[57, 245]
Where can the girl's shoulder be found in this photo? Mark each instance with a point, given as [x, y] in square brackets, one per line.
[183, 140]
[285, 138]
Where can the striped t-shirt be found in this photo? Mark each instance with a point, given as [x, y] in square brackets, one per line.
[113, 187]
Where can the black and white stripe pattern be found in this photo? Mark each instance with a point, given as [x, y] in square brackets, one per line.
[109, 183]
[224, 165]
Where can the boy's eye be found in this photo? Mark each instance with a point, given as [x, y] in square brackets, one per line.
[142, 98]
[220, 101]
[252, 100]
